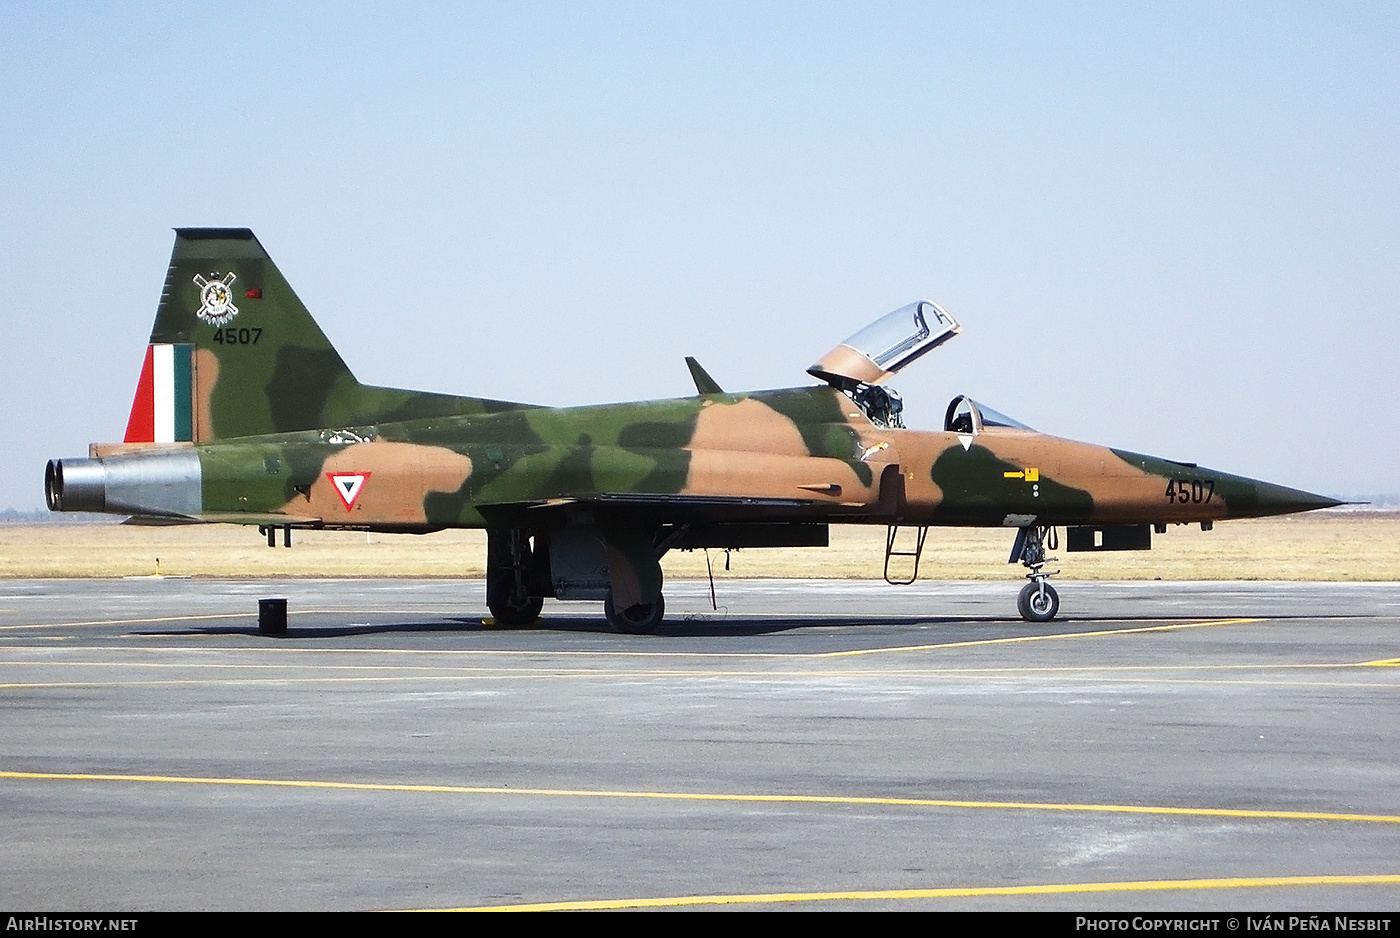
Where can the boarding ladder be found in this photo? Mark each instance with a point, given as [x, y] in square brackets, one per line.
[914, 552]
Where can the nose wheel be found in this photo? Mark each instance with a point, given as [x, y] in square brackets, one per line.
[1038, 601]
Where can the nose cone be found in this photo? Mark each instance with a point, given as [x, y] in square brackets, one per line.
[1270, 499]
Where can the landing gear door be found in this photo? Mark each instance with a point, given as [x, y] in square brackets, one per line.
[885, 346]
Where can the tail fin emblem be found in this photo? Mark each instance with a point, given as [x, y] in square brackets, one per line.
[216, 299]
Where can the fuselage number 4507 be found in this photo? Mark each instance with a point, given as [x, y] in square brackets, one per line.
[1195, 491]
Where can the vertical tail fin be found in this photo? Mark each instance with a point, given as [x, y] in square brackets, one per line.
[234, 352]
[234, 347]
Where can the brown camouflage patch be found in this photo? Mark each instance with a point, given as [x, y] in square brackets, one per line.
[749, 426]
[773, 475]
[915, 452]
[206, 374]
[399, 477]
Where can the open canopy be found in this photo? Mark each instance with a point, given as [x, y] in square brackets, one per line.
[885, 346]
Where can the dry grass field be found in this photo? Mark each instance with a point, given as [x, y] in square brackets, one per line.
[1327, 545]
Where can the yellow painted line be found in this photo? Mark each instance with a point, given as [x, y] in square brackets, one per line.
[486, 675]
[504, 653]
[1040, 638]
[296, 673]
[714, 796]
[296, 666]
[156, 620]
[615, 653]
[186, 618]
[1086, 669]
[282, 681]
[978, 672]
[509, 669]
[291, 681]
[1366, 685]
[481, 652]
[1383, 663]
[767, 898]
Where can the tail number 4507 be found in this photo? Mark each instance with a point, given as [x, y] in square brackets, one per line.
[1193, 491]
[238, 336]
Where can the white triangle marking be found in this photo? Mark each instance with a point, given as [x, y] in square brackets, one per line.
[348, 486]
[965, 440]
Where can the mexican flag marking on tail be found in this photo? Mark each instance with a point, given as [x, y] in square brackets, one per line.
[163, 409]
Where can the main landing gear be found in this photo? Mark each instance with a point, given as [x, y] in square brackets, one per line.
[524, 566]
[641, 619]
[1038, 601]
[509, 563]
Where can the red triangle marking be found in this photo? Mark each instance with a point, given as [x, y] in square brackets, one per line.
[141, 427]
[348, 485]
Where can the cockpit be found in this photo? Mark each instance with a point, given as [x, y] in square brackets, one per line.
[882, 406]
[969, 417]
[859, 365]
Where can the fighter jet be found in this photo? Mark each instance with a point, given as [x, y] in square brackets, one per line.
[245, 413]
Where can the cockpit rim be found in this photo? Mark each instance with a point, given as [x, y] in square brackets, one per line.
[978, 418]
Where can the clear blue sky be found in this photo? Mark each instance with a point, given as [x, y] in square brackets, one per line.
[1167, 228]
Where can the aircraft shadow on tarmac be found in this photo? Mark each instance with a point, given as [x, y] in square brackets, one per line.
[709, 626]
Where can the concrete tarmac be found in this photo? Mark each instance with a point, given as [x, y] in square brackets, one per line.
[810, 744]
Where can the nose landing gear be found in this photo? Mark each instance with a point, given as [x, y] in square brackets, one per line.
[1038, 601]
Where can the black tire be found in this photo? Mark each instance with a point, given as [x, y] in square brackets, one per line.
[1035, 606]
[641, 619]
[508, 609]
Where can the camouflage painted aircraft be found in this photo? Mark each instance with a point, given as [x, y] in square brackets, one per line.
[245, 413]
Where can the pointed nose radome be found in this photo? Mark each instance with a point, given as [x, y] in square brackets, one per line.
[1270, 499]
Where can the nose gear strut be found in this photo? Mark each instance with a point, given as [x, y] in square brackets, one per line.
[1038, 601]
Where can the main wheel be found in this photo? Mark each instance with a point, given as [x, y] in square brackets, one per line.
[641, 619]
[508, 608]
[1035, 606]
